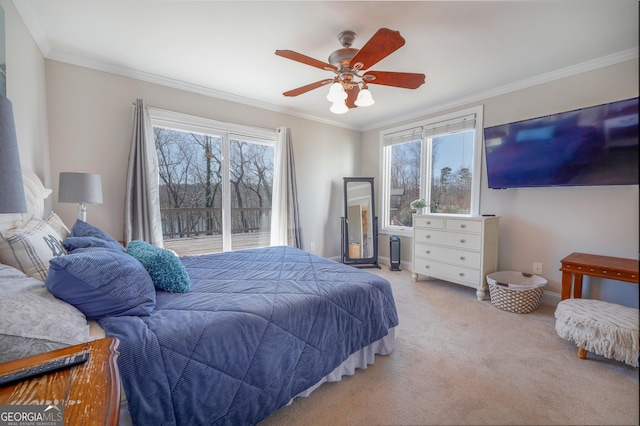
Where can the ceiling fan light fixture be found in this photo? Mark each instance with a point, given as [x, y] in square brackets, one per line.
[336, 93]
[339, 107]
[364, 98]
[348, 87]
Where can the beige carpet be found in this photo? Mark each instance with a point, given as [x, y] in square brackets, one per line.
[462, 362]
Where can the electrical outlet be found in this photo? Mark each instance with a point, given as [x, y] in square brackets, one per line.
[537, 268]
[312, 246]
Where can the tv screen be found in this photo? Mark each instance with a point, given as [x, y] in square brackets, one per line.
[590, 146]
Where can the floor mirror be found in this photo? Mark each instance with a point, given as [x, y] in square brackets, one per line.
[359, 224]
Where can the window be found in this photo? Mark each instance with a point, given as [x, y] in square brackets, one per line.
[437, 160]
[216, 182]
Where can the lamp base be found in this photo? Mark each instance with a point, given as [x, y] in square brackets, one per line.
[82, 212]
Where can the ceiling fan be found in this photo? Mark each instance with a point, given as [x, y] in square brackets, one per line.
[349, 85]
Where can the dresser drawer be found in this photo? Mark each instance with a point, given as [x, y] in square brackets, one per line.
[433, 268]
[448, 238]
[428, 222]
[471, 259]
[464, 225]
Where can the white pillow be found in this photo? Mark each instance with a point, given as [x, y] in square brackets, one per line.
[58, 225]
[32, 320]
[30, 246]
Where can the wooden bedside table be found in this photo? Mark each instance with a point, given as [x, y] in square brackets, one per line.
[89, 392]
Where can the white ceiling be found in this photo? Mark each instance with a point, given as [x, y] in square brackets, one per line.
[467, 49]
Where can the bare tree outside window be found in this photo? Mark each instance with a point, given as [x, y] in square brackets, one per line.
[437, 160]
[451, 160]
[191, 186]
[405, 181]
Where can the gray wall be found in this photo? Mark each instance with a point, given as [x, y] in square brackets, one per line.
[546, 224]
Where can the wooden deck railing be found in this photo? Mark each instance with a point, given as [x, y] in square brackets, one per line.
[196, 222]
[190, 231]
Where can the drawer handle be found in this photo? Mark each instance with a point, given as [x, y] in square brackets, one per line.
[462, 240]
[428, 236]
[426, 266]
[463, 226]
[463, 258]
[428, 251]
[428, 222]
[461, 274]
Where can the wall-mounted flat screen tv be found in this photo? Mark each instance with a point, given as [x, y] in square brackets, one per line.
[589, 146]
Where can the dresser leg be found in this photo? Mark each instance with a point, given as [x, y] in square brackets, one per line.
[414, 277]
[480, 294]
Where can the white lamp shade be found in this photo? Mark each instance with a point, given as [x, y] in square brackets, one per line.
[364, 98]
[11, 190]
[336, 93]
[79, 187]
[339, 107]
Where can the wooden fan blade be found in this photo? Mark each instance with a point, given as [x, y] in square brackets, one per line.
[307, 88]
[383, 43]
[352, 95]
[405, 80]
[295, 56]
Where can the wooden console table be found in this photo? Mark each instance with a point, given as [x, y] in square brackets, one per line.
[576, 265]
[89, 392]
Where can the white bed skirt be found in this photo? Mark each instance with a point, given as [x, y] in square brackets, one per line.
[360, 359]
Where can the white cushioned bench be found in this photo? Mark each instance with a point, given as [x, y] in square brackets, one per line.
[604, 328]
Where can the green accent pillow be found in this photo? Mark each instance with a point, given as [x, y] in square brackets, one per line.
[165, 268]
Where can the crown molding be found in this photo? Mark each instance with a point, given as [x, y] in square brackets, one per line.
[35, 28]
[612, 59]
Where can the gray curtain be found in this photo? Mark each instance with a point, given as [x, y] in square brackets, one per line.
[285, 220]
[142, 204]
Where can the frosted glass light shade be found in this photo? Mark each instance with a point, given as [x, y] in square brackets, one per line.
[336, 93]
[339, 107]
[364, 98]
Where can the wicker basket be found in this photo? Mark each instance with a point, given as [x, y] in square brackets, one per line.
[515, 291]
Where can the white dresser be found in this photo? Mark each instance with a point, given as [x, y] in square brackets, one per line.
[458, 249]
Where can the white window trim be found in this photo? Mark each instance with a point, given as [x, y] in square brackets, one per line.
[191, 123]
[476, 173]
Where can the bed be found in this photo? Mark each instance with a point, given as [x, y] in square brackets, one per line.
[228, 339]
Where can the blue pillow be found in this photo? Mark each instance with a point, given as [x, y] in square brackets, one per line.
[73, 243]
[165, 268]
[102, 282]
[93, 237]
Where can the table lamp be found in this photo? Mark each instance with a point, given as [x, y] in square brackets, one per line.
[81, 188]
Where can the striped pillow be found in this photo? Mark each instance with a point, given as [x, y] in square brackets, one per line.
[30, 247]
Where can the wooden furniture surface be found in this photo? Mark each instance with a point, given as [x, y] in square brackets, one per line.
[462, 250]
[576, 265]
[89, 392]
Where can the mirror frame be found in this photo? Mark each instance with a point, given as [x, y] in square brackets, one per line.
[361, 262]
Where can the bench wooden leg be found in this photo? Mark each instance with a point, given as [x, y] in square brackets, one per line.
[582, 353]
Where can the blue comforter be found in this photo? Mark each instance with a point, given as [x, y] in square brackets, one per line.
[257, 327]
